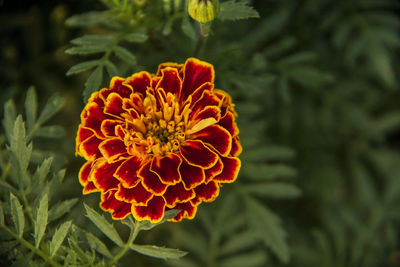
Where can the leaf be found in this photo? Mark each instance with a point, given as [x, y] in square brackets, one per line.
[125, 55]
[97, 245]
[17, 214]
[187, 28]
[89, 18]
[111, 68]
[53, 105]
[269, 224]
[41, 219]
[158, 252]
[62, 208]
[1, 214]
[146, 225]
[240, 241]
[101, 223]
[59, 237]
[136, 37]
[273, 190]
[270, 152]
[93, 82]
[42, 171]
[81, 67]
[52, 131]
[23, 261]
[30, 108]
[10, 115]
[256, 258]
[268, 171]
[232, 10]
[8, 188]
[87, 49]
[94, 39]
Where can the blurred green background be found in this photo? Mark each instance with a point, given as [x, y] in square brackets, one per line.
[316, 88]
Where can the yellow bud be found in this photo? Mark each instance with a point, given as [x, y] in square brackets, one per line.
[203, 10]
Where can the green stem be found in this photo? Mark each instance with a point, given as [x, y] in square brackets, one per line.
[134, 232]
[203, 35]
[28, 245]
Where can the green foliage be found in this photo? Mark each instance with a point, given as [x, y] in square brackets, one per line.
[232, 10]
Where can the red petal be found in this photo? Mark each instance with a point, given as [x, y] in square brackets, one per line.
[188, 210]
[108, 127]
[228, 122]
[151, 181]
[90, 188]
[137, 195]
[208, 112]
[127, 172]
[196, 73]
[166, 167]
[178, 67]
[230, 171]
[196, 153]
[95, 98]
[117, 85]
[103, 175]
[119, 209]
[217, 137]
[214, 170]
[111, 149]
[83, 134]
[114, 105]
[207, 99]
[84, 173]
[177, 193]
[236, 147]
[192, 176]
[89, 149]
[139, 82]
[170, 81]
[92, 118]
[199, 91]
[154, 211]
[206, 192]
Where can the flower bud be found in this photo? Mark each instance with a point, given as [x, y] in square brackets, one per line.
[203, 10]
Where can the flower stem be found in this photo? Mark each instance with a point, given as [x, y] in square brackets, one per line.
[28, 245]
[203, 35]
[134, 232]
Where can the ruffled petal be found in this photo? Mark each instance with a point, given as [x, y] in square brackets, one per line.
[114, 105]
[206, 192]
[90, 188]
[192, 176]
[230, 171]
[217, 137]
[89, 149]
[117, 85]
[153, 211]
[207, 99]
[178, 67]
[207, 113]
[151, 181]
[177, 193]
[84, 173]
[196, 153]
[137, 195]
[108, 127]
[198, 93]
[170, 81]
[139, 82]
[92, 117]
[228, 122]
[188, 210]
[119, 209]
[196, 73]
[83, 134]
[166, 167]
[112, 149]
[103, 175]
[236, 147]
[214, 170]
[127, 172]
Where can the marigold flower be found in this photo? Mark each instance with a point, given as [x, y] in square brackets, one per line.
[159, 142]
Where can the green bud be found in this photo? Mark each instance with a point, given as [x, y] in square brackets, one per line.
[203, 10]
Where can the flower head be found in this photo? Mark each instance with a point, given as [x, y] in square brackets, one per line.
[159, 142]
[203, 10]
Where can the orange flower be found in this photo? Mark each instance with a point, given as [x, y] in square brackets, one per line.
[159, 142]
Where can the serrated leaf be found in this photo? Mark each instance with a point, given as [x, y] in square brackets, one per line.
[52, 131]
[256, 258]
[23, 261]
[10, 115]
[94, 39]
[273, 190]
[41, 219]
[18, 144]
[240, 241]
[89, 18]
[111, 68]
[101, 223]
[8, 188]
[232, 10]
[6, 246]
[81, 67]
[17, 214]
[87, 49]
[158, 252]
[93, 82]
[146, 225]
[53, 105]
[58, 210]
[59, 237]
[42, 171]
[97, 245]
[30, 108]
[136, 37]
[125, 55]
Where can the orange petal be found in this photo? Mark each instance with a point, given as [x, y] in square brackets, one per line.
[151, 181]
[92, 118]
[137, 195]
[170, 81]
[188, 210]
[103, 175]
[153, 211]
[118, 209]
[206, 192]
[114, 105]
[196, 153]
[90, 188]
[236, 147]
[127, 172]
[217, 137]
[117, 85]
[192, 176]
[207, 99]
[228, 122]
[214, 170]
[230, 171]
[177, 193]
[108, 127]
[178, 67]
[196, 73]
[139, 82]
[112, 148]
[208, 112]
[84, 173]
[166, 167]
[89, 149]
